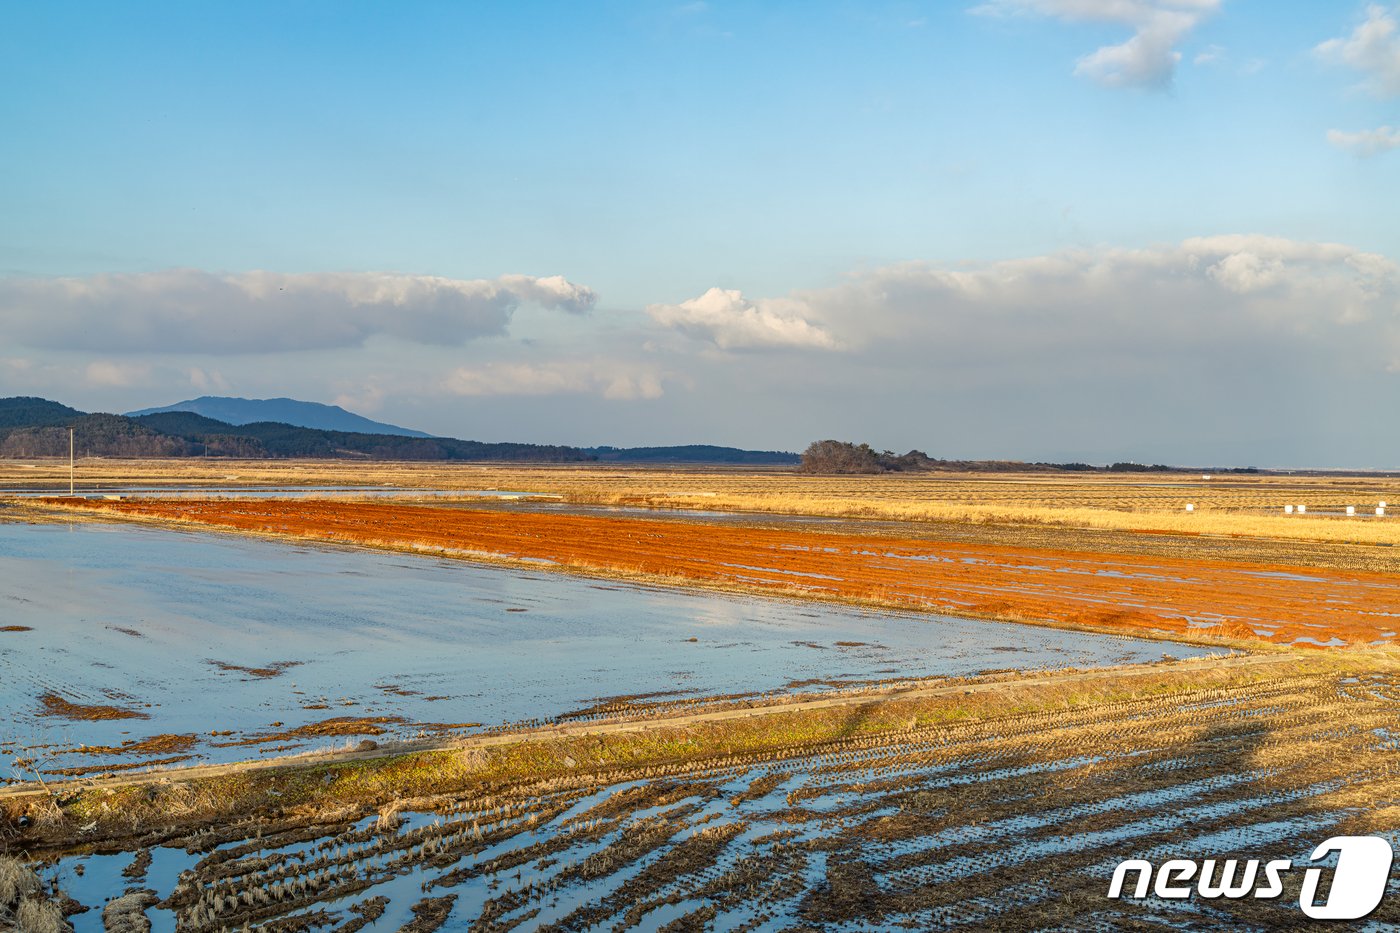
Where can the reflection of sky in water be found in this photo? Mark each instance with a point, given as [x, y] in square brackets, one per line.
[133, 617]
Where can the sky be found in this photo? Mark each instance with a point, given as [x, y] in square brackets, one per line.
[1098, 230]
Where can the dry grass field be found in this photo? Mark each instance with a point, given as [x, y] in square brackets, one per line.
[1229, 504]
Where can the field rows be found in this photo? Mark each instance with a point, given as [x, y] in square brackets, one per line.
[1013, 823]
[1227, 504]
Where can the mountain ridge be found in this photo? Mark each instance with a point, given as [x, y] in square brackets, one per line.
[282, 410]
[31, 426]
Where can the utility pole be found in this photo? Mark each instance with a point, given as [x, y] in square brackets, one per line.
[70, 463]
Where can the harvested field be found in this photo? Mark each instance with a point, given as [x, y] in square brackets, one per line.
[670, 780]
[1279, 604]
[1012, 821]
[1230, 504]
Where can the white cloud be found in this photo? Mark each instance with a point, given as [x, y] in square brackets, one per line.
[108, 374]
[609, 379]
[1147, 59]
[1210, 55]
[56, 378]
[188, 310]
[366, 396]
[1366, 142]
[1373, 48]
[733, 322]
[206, 380]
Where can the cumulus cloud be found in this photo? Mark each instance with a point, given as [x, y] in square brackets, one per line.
[1373, 48]
[609, 379]
[733, 322]
[188, 310]
[1146, 59]
[1366, 143]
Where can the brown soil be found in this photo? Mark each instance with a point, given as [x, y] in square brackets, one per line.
[1117, 592]
[55, 705]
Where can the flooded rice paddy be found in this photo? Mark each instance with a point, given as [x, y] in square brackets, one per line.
[218, 648]
[1131, 594]
[1015, 823]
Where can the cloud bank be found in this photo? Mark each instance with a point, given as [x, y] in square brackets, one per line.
[1069, 314]
[191, 311]
[609, 379]
[1147, 59]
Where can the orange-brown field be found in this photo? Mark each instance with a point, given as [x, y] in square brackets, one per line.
[1127, 593]
[1235, 505]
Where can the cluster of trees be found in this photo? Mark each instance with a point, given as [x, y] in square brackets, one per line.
[843, 457]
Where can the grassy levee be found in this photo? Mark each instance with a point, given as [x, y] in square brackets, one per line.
[143, 809]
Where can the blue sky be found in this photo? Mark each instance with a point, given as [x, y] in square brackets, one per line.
[808, 160]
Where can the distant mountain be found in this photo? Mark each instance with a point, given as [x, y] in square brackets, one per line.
[36, 427]
[240, 411]
[692, 453]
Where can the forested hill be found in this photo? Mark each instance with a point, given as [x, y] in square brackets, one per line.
[36, 427]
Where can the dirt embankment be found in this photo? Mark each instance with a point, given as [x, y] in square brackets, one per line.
[1115, 592]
